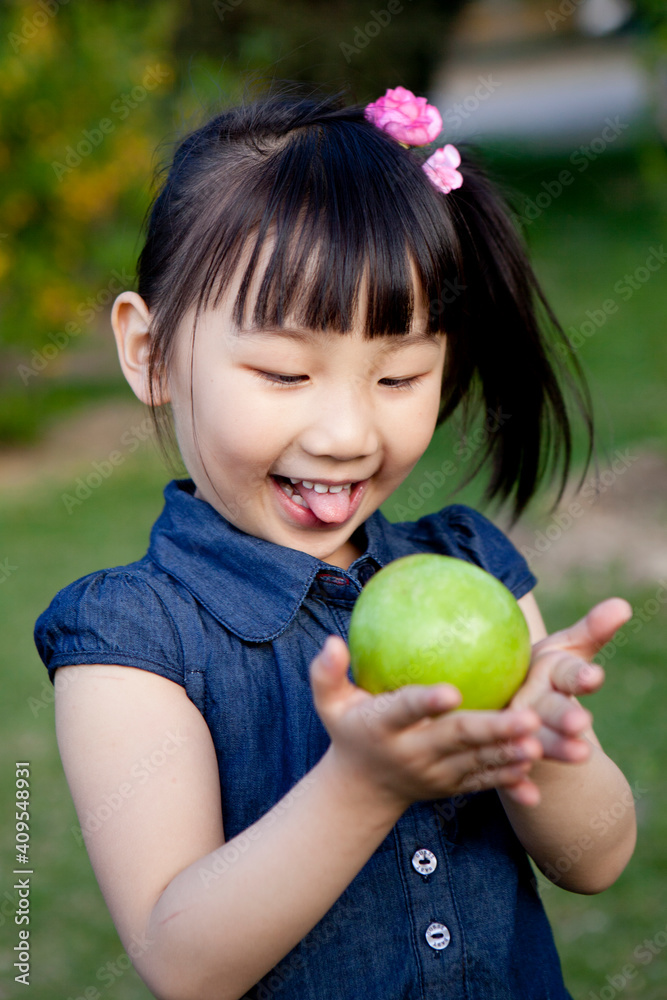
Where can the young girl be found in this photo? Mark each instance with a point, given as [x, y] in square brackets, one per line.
[311, 304]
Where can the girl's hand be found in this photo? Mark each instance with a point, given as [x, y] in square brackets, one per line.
[560, 668]
[407, 745]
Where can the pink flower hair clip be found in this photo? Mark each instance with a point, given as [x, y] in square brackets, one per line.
[413, 122]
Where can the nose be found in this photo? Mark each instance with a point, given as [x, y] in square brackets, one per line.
[341, 425]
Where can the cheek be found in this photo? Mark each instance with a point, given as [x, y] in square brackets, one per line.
[238, 422]
[412, 428]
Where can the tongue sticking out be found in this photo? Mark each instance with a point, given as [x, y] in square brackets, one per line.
[333, 507]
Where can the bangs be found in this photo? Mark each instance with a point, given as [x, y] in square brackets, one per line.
[325, 208]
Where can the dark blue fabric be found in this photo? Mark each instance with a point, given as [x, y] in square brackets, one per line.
[237, 620]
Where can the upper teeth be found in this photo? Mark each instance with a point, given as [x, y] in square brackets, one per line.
[320, 487]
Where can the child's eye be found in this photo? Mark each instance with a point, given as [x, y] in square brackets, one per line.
[391, 383]
[279, 379]
[401, 383]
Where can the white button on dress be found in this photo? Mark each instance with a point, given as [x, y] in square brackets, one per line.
[424, 861]
[437, 936]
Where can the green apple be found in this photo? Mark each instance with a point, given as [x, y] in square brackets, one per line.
[427, 618]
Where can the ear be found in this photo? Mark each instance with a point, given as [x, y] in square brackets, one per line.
[130, 319]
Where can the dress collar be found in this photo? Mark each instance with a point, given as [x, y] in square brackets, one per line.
[252, 586]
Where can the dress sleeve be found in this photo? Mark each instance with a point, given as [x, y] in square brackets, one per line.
[111, 616]
[463, 532]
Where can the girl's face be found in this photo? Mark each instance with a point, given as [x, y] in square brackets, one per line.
[325, 409]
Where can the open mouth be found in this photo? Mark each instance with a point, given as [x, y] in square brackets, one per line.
[330, 504]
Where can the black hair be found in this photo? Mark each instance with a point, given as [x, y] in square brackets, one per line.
[336, 192]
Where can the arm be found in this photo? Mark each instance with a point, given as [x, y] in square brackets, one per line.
[192, 932]
[577, 782]
[190, 913]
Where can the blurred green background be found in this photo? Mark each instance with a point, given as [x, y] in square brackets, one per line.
[92, 95]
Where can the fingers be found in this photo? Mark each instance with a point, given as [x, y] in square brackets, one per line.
[407, 705]
[503, 765]
[474, 729]
[569, 749]
[525, 792]
[497, 761]
[488, 750]
[330, 665]
[412, 703]
[587, 636]
[333, 693]
[572, 675]
[502, 753]
[493, 777]
[329, 682]
[563, 714]
[412, 740]
[565, 724]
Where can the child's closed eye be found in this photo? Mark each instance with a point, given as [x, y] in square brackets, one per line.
[391, 383]
[401, 383]
[279, 379]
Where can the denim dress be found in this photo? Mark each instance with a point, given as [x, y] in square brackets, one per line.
[447, 906]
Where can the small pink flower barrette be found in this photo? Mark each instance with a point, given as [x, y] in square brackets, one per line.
[413, 122]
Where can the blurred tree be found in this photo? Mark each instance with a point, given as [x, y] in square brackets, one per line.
[331, 42]
[83, 91]
[652, 15]
[89, 90]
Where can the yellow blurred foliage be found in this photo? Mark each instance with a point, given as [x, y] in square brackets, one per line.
[63, 71]
[91, 195]
[17, 209]
[56, 303]
[39, 117]
[14, 75]
[5, 261]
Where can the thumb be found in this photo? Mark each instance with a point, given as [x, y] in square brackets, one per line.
[328, 674]
[587, 636]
